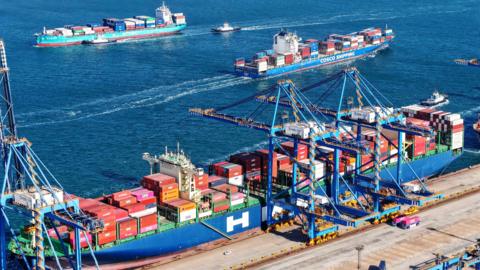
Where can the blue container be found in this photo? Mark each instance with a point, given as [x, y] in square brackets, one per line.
[270, 52]
[314, 46]
[119, 27]
[93, 24]
[159, 21]
[259, 55]
[219, 182]
[149, 25]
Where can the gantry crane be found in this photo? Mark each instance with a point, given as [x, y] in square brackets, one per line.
[30, 190]
[371, 196]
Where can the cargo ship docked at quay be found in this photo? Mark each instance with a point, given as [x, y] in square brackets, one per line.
[180, 206]
[290, 54]
[113, 30]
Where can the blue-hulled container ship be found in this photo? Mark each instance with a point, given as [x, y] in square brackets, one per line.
[113, 30]
[178, 205]
[291, 54]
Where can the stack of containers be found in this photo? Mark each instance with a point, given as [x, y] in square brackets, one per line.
[148, 21]
[288, 58]
[327, 47]
[129, 25]
[83, 240]
[283, 161]
[251, 165]
[65, 32]
[179, 18]
[240, 62]
[360, 40]
[233, 173]
[116, 24]
[304, 51]
[353, 42]
[107, 214]
[201, 180]
[313, 43]
[215, 180]
[164, 186]
[278, 60]
[302, 150]
[342, 45]
[127, 227]
[102, 29]
[181, 210]
[261, 64]
[319, 168]
[77, 30]
[263, 154]
[388, 33]
[139, 24]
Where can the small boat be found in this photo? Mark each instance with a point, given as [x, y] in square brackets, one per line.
[476, 125]
[98, 40]
[226, 27]
[468, 62]
[435, 100]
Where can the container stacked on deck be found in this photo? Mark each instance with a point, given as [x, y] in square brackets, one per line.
[179, 18]
[148, 21]
[164, 186]
[233, 172]
[373, 35]
[449, 126]
[116, 24]
[251, 165]
[327, 47]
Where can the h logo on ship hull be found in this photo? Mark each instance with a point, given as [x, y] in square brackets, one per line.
[231, 222]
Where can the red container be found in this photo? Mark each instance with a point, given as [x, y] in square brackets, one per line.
[419, 146]
[120, 214]
[218, 196]
[61, 231]
[201, 180]
[121, 194]
[86, 203]
[168, 187]
[263, 154]
[217, 167]
[226, 187]
[221, 208]
[101, 211]
[107, 236]
[134, 208]
[83, 240]
[305, 52]
[418, 122]
[125, 201]
[229, 170]
[148, 201]
[288, 58]
[127, 227]
[155, 180]
[148, 223]
[249, 161]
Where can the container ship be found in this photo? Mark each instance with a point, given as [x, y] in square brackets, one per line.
[468, 62]
[290, 54]
[113, 29]
[179, 205]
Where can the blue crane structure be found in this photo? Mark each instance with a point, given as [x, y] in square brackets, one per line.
[469, 258]
[354, 197]
[29, 190]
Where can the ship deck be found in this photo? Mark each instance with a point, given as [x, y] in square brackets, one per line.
[256, 249]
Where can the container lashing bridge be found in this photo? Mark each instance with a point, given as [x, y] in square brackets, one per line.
[354, 197]
[30, 191]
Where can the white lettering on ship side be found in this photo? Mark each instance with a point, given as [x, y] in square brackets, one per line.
[231, 222]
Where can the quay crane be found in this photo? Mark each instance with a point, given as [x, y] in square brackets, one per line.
[368, 197]
[29, 190]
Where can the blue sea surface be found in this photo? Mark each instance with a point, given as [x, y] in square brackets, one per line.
[91, 111]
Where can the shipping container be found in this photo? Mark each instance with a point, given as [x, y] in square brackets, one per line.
[126, 228]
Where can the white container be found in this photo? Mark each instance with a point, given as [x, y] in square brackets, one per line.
[237, 180]
[302, 203]
[205, 214]
[262, 66]
[145, 212]
[237, 202]
[188, 215]
[321, 199]
[457, 140]
[319, 167]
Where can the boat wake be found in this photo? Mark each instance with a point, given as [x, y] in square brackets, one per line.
[473, 151]
[146, 98]
[471, 111]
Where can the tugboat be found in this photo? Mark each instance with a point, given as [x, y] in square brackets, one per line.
[468, 62]
[98, 40]
[476, 125]
[226, 27]
[435, 100]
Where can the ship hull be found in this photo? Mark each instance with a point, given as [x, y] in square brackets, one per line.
[313, 63]
[192, 235]
[184, 237]
[59, 41]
